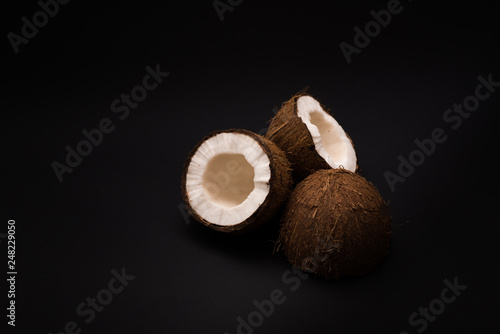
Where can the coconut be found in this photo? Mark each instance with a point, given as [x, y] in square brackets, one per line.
[235, 180]
[335, 224]
[310, 137]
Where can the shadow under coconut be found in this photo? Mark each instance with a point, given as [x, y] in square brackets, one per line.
[256, 244]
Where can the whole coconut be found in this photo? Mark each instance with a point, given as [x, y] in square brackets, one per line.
[335, 224]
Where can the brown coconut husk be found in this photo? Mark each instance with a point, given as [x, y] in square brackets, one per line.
[280, 185]
[335, 224]
[291, 135]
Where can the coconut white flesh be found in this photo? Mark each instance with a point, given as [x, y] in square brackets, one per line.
[330, 140]
[228, 178]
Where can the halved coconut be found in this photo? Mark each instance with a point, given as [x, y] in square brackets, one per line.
[310, 137]
[235, 180]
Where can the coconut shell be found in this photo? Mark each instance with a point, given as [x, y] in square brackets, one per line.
[291, 135]
[335, 224]
[280, 184]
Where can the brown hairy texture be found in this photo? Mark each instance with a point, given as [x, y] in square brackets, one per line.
[335, 224]
[292, 136]
[280, 185]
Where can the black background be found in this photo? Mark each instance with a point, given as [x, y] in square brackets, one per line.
[120, 206]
